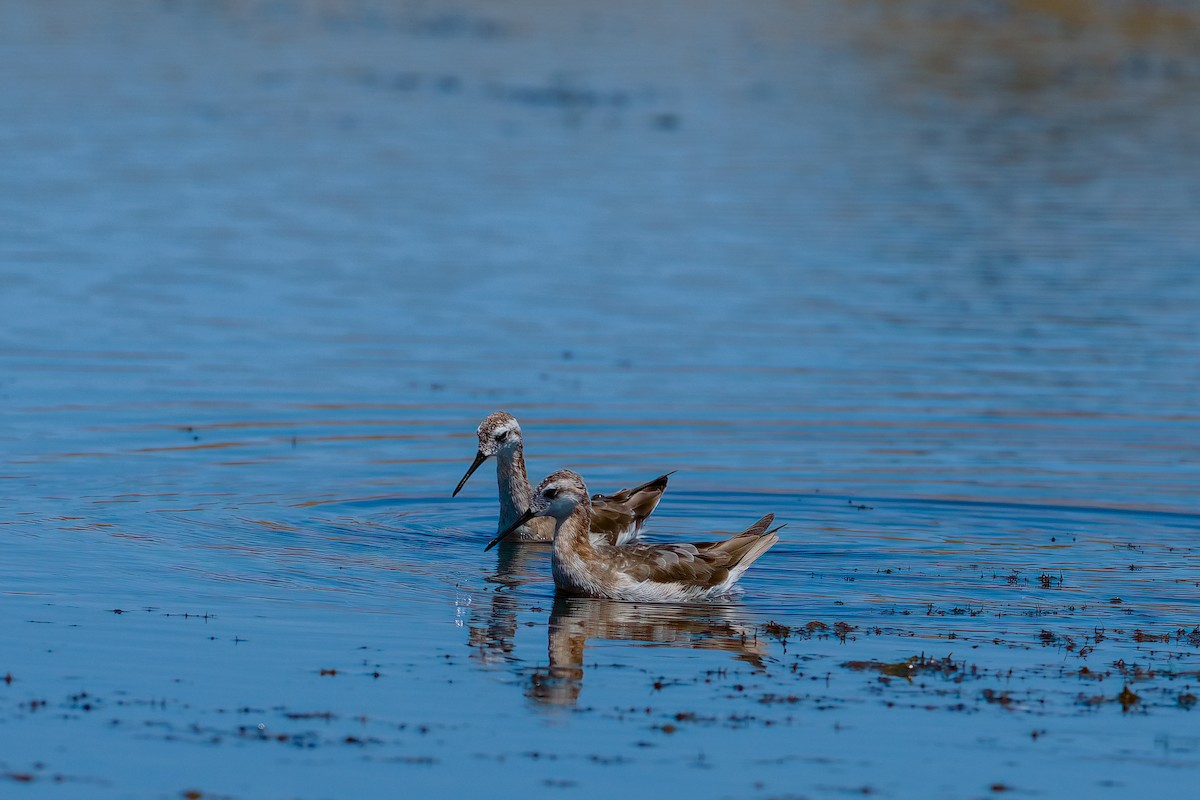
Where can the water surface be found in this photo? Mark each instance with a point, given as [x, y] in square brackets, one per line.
[921, 283]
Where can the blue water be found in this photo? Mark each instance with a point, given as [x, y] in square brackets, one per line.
[923, 283]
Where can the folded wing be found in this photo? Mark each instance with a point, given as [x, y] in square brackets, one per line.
[618, 518]
[707, 565]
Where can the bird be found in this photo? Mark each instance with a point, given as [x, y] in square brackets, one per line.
[635, 571]
[616, 518]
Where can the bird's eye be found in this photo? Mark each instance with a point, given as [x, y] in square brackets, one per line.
[550, 493]
[501, 436]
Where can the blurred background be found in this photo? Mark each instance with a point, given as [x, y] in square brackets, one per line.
[897, 248]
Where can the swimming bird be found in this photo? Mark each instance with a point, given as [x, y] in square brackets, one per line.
[616, 518]
[636, 571]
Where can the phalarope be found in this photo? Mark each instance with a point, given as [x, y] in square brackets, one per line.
[646, 572]
[616, 518]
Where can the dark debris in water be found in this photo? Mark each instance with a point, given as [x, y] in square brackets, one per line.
[910, 667]
[932, 610]
[39, 775]
[328, 716]
[814, 629]
[1048, 581]
[39, 772]
[1128, 698]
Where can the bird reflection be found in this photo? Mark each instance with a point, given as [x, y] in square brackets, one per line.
[516, 565]
[573, 621]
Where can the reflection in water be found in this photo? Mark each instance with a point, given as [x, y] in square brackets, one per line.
[574, 620]
[516, 564]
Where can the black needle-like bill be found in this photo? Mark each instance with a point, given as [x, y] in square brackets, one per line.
[479, 459]
[521, 520]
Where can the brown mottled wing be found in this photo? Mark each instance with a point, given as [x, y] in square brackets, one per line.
[701, 564]
[642, 500]
[610, 519]
[671, 563]
[616, 513]
[743, 539]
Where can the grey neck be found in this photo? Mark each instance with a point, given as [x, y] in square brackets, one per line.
[515, 492]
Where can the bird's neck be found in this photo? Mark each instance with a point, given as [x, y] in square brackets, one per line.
[513, 482]
[574, 561]
[571, 534]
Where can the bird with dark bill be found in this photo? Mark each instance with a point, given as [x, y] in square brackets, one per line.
[616, 518]
[636, 571]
